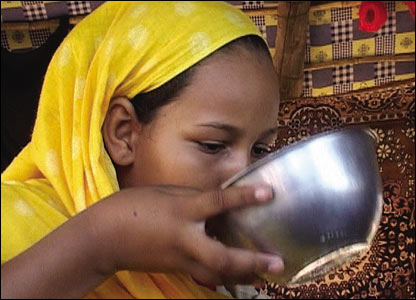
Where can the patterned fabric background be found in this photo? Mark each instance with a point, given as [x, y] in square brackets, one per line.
[247, 5]
[20, 11]
[22, 36]
[388, 269]
[333, 35]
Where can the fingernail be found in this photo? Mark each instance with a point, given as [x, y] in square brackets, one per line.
[276, 266]
[263, 193]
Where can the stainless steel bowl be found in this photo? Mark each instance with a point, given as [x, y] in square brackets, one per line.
[326, 208]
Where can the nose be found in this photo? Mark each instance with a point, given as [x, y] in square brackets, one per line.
[236, 163]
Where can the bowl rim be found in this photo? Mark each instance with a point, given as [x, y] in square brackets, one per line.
[295, 145]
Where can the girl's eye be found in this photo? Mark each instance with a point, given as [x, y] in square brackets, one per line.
[211, 147]
[261, 151]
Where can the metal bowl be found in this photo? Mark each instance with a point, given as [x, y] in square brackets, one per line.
[326, 208]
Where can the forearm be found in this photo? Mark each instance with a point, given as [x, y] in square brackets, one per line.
[61, 265]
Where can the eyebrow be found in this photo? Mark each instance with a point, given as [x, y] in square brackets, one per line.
[236, 131]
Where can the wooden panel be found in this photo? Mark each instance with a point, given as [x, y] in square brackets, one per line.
[289, 58]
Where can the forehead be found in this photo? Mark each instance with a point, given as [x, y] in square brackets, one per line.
[239, 88]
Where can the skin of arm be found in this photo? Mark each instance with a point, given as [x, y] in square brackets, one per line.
[61, 265]
[114, 234]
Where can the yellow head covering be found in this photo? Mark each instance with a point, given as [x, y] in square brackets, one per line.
[121, 49]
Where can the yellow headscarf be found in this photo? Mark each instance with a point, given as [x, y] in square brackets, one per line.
[121, 49]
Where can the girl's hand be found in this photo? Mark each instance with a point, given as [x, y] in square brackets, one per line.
[162, 229]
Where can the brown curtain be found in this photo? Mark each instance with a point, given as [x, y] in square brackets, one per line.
[388, 269]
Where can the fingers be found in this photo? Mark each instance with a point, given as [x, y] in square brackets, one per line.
[232, 265]
[203, 275]
[206, 277]
[216, 202]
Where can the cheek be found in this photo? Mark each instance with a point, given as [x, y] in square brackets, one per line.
[193, 168]
[175, 162]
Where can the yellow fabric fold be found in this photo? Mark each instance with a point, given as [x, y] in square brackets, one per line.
[121, 49]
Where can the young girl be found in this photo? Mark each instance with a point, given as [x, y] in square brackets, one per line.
[146, 108]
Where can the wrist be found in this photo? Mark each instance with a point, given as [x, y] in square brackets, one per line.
[100, 238]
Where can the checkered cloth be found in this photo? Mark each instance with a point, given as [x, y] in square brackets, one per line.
[253, 4]
[385, 72]
[341, 31]
[341, 14]
[34, 10]
[342, 50]
[308, 48]
[343, 78]
[307, 84]
[39, 37]
[333, 35]
[76, 8]
[20, 11]
[260, 21]
[385, 37]
[5, 41]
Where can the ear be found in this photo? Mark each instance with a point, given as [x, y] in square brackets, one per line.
[120, 131]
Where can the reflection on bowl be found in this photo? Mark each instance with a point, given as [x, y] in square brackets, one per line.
[326, 208]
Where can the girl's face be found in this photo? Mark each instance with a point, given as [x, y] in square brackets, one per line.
[224, 120]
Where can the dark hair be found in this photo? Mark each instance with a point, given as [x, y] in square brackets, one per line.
[147, 104]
